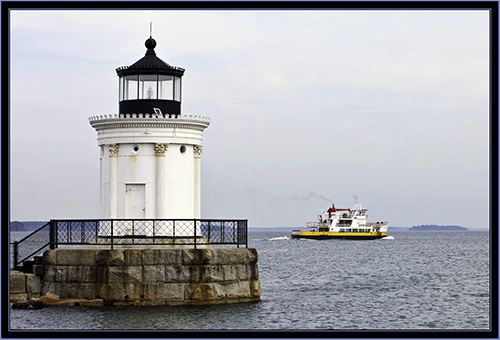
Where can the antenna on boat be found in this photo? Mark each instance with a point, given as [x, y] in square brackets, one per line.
[356, 204]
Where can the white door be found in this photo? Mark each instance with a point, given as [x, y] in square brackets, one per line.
[135, 201]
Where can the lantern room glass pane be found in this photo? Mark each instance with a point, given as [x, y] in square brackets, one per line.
[130, 88]
[148, 86]
[177, 89]
[166, 87]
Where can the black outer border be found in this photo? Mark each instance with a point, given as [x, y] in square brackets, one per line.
[492, 6]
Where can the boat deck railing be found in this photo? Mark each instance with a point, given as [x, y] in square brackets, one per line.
[316, 224]
[376, 224]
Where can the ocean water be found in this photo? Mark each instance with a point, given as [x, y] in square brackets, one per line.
[408, 281]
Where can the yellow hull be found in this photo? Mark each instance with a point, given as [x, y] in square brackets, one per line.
[325, 235]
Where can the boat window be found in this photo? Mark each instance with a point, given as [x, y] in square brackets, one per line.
[345, 222]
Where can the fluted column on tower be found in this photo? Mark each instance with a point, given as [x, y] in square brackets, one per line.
[113, 180]
[197, 180]
[161, 199]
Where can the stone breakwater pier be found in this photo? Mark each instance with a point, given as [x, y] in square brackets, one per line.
[148, 276]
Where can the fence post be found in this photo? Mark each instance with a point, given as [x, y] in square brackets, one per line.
[16, 254]
[209, 231]
[82, 232]
[194, 233]
[244, 227]
[52, 234]
[154, 231]
[236, 233]
[222, 226]
[111, 234]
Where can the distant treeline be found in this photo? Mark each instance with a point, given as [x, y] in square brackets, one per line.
[26, 225]
[433, 227]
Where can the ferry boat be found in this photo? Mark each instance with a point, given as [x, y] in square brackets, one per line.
[343, 224]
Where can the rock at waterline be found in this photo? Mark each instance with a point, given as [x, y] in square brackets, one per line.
[31, 304]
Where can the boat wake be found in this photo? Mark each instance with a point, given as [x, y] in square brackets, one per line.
[278, 238]
[388, 238]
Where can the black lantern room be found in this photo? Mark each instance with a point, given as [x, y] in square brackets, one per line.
[150, 84]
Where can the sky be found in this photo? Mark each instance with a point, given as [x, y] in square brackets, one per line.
[308, 108]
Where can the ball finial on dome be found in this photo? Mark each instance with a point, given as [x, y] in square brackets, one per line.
[150, 43]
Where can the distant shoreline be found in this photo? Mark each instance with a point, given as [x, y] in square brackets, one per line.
[433, 227]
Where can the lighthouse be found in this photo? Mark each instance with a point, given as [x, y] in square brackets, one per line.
[150, 238]
[150, 152]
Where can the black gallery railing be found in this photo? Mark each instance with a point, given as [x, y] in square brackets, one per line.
[115, 233]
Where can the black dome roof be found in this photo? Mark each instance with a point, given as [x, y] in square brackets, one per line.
[150, 64]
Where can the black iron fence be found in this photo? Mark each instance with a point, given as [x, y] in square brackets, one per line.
[113, 233]
[31, 245]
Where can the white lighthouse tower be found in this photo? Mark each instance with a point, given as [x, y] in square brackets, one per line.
[150, 152]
